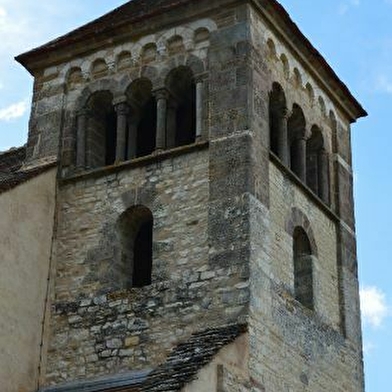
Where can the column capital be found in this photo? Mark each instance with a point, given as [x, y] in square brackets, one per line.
[161, 93]
[122, 108]
[200, 78]
[83, 112]
[285, 112]
[119, 99]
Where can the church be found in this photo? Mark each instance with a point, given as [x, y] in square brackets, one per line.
[181, 217]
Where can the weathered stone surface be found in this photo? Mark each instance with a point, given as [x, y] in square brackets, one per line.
[223, 205]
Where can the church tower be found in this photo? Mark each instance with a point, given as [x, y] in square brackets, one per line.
[204, 237]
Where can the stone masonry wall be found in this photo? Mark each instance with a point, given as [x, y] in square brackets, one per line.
[96, 328]
[221, 208]
[293, 348]
[196, 195]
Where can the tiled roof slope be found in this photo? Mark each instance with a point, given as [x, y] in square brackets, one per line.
[185, 360]
[180, 368]
[11, 172]
[12, 159]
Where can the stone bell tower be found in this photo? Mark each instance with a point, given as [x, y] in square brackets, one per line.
[204, 233]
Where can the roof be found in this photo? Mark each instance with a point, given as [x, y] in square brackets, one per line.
[180, 367]
[12, 173]
[185, 360]
[138, 10]
[130, 12]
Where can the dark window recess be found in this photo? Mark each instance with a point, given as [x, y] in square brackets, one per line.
[111, 138]
[142, 121]
[146, 130]
[142, 264]
[277, 107]
[101, 130]
[303, 268]
[135, 229]
[182, 99]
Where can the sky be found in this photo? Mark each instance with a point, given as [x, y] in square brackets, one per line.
[355, 37]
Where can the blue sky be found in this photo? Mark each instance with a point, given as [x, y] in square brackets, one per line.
[355, 36]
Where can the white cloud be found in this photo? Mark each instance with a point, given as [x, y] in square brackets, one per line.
[13, 111]
[345, 6]
[368, 348]
[384, 84]
[374, 307]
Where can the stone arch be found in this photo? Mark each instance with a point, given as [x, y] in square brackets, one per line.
[322, 105]
[181, 116]
[208, 24]
[277, 110]
[135, 231]
[285, 66]
[99, 68]
[332, 120]
[303, 268]
[142, 120]
[317, 166]
[149, 52]
[175, 45]
[124, 60]
[299, 219]
[93, 87]
[74, 76]
[297, 77]
[271, 48]
[310, 91]
[296, 130]
[201, 34]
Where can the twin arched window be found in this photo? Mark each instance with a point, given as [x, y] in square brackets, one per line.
[143, 121]
[305, 155]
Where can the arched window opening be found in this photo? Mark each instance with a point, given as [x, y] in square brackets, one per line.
[317, 165]
[175, 45]
[101, 131]
[296, 126]
[303, 268]
[277, 112]
[181, 115]
[142, 120]
[135, 227]
[99, 68]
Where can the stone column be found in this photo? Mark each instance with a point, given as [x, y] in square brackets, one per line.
[323, 183]
[132, 138]
[161, 97]
[171, 123]
[199, 107]
[82, 121]
[300, 153]
[283, 144]
[122, 110]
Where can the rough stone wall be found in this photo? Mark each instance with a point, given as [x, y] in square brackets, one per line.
[198, 199]
[27, 214]
[293, 348]
[98, 329]
[221, 210]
